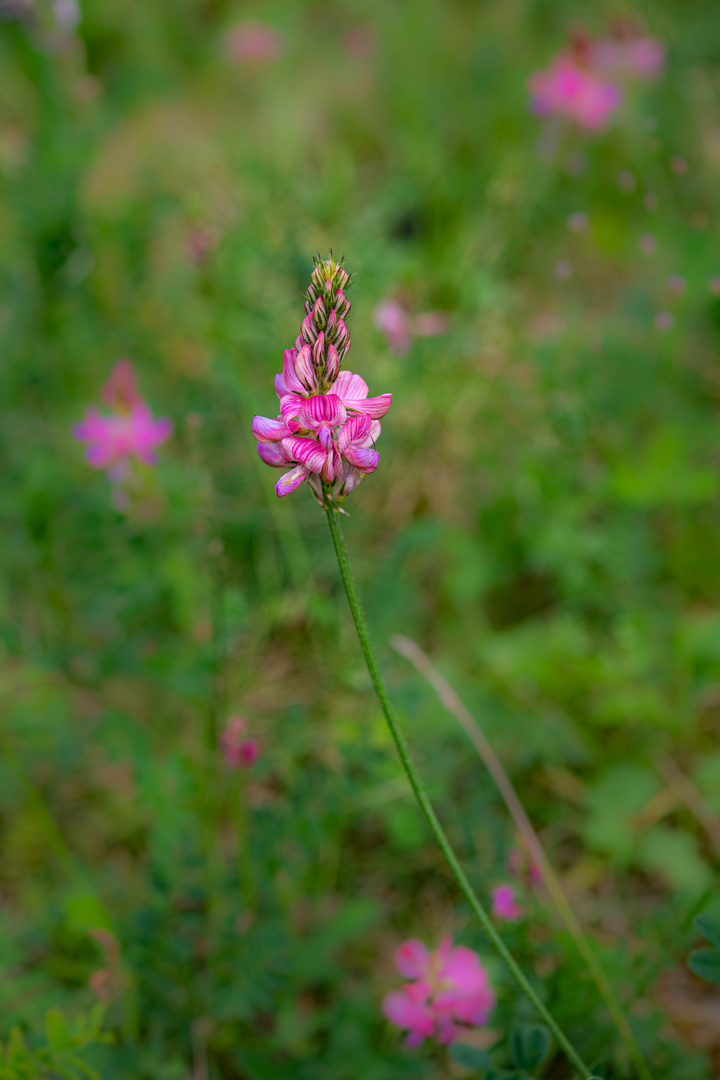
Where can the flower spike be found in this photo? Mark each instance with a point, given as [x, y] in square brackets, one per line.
[328, 426]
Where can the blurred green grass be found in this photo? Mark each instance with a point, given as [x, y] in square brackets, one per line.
[545, 521]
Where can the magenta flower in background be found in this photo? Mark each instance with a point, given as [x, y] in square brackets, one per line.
[328, 425]
[628, 54]
[504, 905]
[130, 431]
[574, 91]
[399, 327]
[238, 751]
[448, 987]
[254, 43]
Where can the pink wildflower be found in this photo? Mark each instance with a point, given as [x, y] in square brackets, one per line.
[130, 431]
[399, 327]
[574, 91]
[449, 987]
[627, 55]
[503, 903]
[327, 425]
[254, 42]
[239, 752]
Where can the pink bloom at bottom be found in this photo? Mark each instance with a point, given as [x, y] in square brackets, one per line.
[239, 752]
[503, 904]
[449, 987]
[576, 92]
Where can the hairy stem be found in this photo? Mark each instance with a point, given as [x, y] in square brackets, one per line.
[422, 797]
[454, 705]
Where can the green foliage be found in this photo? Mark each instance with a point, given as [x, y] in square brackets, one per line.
[60, 1056]
[706, 962]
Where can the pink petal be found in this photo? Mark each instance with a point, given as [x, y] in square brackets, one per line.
[289, 377]
[503, 903]
[322, 408]
[271, 454]
[475, 1009]
[280, 388]
[290, 480]
[356, 429]
[305, 450]
[464, 971]
[348, 385]
[374, 406]
[350, 478]
[365, 460]
[266, 430]
[412, 959]
[305, 370]
[290, 407]
[400, 1010]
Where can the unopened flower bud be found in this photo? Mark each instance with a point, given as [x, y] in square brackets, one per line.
[342, 303]
[319, 312]
[308, 330]
[332, 364]
[318, 352]
[342, 337]
[331, 327]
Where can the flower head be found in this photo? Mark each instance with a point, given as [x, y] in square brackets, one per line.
[448, 987]
[130, 431]
[573, 90]
[254, 43]
[399, 327]
[504, 905]
[327, 426]
[238, 751]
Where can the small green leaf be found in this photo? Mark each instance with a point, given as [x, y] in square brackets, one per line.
[57, 1032]
[469, 1056]
[529, 1045]
[706, 964]
[709, 928]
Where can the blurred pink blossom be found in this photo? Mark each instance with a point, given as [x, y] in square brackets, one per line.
[238, 751]
[573, 90]
[504, 905]
[129, 432]
[628, 57]
[449, 987]
[255, 43]
[400, 327]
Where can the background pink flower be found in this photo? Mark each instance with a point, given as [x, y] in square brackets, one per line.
[254, 42]
[448, 987]
[504, 905]
[574, 92]
[130, 431]
[239, 752]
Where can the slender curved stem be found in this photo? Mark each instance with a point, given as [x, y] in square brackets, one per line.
[454, 705]
[422, 797]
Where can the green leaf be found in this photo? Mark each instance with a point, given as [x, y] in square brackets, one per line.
[57, 1032]
[470, 1056]
[706, 964]
[709, 928]
[529, 1045]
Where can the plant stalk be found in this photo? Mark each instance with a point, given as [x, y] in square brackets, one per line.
[416, 783]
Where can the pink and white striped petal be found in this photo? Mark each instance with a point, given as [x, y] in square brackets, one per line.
[304, 369]
[372, 406]
[322, 409]
[364, 459]
[348, 385]
[271, 454]
[289, 377]
[290, 480]
[356, 430]
[307, 451]
[290, 407]
[266, 430]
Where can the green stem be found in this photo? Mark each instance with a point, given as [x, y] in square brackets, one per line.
[422, 797]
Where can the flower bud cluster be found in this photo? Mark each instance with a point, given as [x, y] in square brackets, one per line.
[327, 425]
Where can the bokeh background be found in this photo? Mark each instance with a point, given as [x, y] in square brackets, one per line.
[545, 522]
